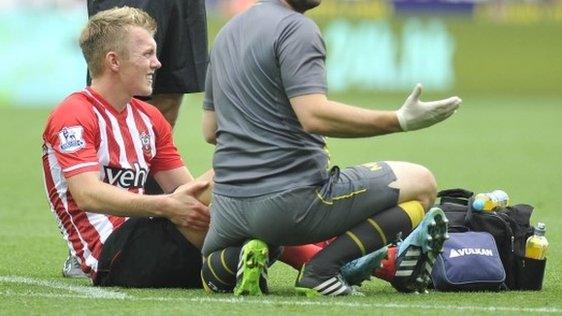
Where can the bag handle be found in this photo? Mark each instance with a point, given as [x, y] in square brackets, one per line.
[455, 196]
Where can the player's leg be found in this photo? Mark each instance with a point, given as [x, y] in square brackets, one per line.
[196, 238]
[71, 268]
[380, 263]
[182, 49]
[181, 39]
[297, 256]
[148, 252]
[168, 104]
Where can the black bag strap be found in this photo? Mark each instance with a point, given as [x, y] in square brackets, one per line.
[458, 228]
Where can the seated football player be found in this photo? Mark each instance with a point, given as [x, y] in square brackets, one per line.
[100, 144]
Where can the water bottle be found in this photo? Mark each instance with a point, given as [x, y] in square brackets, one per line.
[536, 245]
[490, 201]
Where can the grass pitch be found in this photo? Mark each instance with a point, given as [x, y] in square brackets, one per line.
[492, 142]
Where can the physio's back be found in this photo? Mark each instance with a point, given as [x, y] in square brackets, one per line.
[261, 146]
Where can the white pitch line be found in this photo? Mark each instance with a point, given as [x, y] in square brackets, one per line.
[322, 303]
[301, 303]
[89, 291]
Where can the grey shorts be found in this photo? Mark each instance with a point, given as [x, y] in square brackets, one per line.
[305, 214]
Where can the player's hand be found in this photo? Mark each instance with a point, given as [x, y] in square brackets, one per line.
[186, 210]
[415, 114]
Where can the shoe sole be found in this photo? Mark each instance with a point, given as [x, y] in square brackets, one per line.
[253, 260]
[415, 269]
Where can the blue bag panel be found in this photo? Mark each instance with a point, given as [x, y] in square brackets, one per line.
[469, 261]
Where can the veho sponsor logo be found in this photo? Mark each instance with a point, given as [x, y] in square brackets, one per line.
[126, 178]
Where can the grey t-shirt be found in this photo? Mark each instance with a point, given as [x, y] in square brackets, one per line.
[260, 59]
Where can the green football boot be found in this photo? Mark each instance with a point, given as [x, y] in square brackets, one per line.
[252, 266]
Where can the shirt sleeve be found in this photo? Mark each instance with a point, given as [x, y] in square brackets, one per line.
[301, 53]
[72, 134]
[167, 156]
[208, 103]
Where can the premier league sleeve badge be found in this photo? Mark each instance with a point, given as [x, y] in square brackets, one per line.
[71, 139]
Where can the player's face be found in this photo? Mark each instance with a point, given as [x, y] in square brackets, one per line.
[140, 62]
[303, 5]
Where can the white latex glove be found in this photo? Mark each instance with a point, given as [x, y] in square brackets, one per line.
[415, 114]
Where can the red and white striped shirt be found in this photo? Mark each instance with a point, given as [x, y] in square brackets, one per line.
[84, 133]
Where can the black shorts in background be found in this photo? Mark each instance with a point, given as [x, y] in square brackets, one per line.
[148, 253]
[181, 38]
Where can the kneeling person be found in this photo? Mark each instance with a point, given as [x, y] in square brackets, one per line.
[267, 111]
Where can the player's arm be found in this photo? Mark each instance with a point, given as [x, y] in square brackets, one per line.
[179, 207]
[210, 127]
[319, 115]
[174, 179]
[169, 180]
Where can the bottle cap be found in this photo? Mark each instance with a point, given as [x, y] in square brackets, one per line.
[478, 205]
[541, 226]
[540, 229]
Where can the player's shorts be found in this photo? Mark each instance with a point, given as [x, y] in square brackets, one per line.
[148, 253]
[181, 38]
[306, 214]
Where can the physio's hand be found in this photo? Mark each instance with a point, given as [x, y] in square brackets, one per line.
[415, 114]
[186, 210]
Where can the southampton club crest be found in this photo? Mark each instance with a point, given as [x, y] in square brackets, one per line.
[145, 141]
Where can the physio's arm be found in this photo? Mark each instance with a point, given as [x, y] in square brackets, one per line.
[209, 126]
[321, 116]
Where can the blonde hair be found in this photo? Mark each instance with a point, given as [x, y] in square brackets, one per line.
[106, 31]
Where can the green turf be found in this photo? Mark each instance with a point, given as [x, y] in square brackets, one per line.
[492, 142]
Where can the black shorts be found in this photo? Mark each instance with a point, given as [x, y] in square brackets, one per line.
[148, 253]
[181, 38]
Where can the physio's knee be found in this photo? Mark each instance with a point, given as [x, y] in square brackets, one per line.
[428, 187]
[416, 183]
